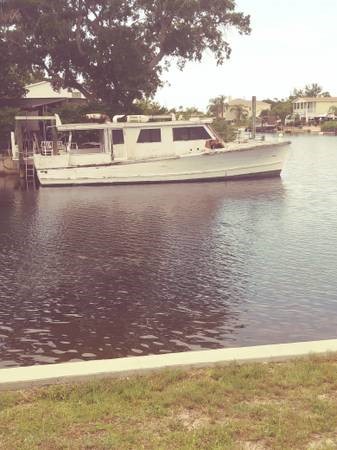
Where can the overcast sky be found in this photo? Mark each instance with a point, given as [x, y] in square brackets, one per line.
[293, 43]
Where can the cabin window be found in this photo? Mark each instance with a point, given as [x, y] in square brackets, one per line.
[85, 141]
[190, 134]
[117, 137]
[149, 135]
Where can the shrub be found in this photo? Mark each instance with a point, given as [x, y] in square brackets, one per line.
[329, 126]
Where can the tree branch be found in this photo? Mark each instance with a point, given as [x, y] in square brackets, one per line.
[78, 37]
[70, 82]
[161, 40]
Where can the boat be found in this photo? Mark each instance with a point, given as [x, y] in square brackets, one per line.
[139, 149]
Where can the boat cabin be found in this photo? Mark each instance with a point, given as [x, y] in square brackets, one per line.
[134, 138]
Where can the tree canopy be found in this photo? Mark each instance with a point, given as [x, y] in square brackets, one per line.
[279, 110]
[11, 74]
[310, 90]
[115, 50]
[11, 78]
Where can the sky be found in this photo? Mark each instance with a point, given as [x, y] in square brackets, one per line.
[293, 43]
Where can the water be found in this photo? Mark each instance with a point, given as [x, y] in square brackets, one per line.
[102, 272]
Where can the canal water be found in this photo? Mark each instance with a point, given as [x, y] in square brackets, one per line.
[104, 272]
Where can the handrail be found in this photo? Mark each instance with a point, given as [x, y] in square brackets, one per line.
[247, 136]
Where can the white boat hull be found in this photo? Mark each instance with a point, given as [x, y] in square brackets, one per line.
[260, 161]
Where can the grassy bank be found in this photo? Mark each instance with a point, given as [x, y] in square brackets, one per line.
[289, 405]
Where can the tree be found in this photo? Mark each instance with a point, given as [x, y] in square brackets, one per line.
[149, 107]
[14, 73]
[187, 113]
[217, 106]
[115, 51]
[266, 116]
[11, 77]
[11, 87]
[240, 113]
[297, 93]
[310, 90]
[281, 109]
[315, 90]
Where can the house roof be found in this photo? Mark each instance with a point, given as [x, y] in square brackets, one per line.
[44, 89]
[315, 99]
[243, 102]
[33, 103]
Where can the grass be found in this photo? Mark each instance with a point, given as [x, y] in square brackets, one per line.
[290, 405]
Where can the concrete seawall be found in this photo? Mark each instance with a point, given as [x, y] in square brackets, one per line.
[8, 166]
[21, 377]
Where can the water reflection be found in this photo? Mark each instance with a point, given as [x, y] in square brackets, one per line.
[113, 271]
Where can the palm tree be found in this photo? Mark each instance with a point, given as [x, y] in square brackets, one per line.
[240, 113]
[218, 106]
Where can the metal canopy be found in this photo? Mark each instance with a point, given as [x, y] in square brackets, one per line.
[42, 118]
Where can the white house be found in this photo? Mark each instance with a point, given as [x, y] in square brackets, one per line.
[314, 107]
[41, 98]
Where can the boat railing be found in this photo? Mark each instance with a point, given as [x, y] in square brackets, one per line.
[142, 118]
[47, 147]
[244, 137]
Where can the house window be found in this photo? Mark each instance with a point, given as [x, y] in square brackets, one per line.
[190, 134]
[117, 137]
[149, 135]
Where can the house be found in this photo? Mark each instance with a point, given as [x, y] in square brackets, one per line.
[231, 112]
[41, 98]
[310, 108]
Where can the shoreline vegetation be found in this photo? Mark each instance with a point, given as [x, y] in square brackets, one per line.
[252, 406]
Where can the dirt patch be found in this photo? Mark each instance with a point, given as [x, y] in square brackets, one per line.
[193, 420]
[253, 446]
[329, 396]
[320, 442]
